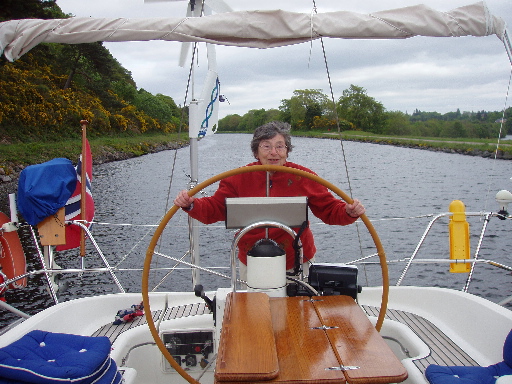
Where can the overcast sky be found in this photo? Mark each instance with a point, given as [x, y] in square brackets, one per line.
[430, 74]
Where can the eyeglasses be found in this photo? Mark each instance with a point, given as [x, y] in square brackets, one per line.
[268, 147]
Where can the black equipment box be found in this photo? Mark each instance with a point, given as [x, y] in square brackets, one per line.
[334, 279]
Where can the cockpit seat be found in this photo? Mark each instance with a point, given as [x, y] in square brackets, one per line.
[47, 358]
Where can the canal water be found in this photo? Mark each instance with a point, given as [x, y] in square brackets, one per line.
[401, 189]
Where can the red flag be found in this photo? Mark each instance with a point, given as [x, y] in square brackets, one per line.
[72, 207]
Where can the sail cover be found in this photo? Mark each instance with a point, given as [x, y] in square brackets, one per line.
[257, 29]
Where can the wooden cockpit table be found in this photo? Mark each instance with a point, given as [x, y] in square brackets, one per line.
[325, 339]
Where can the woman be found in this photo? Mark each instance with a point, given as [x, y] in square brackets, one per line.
[271, 145]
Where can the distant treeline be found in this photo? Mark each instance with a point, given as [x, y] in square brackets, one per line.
[312, 110]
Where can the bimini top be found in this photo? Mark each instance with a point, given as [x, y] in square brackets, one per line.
[257, 29]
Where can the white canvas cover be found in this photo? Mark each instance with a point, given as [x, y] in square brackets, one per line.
[258, 29]
[208, 107]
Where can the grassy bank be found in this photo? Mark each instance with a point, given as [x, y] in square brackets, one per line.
[465, 146]
[104, 149]
[14, 157]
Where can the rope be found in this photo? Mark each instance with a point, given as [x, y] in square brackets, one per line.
[135, 246]
[429, 215]
[168, 198]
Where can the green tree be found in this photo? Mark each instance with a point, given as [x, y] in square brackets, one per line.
[89, 59]
[313, 111]
[508, 120]
[285, 110]
[397, 123]
[125, 91]
[158, 107]
[229, 123]
[23, 9]
[272, 115]
[457, 130]
[478, 130]
[451, 116]
[361, 110]
[45, 93]
[301, 109]
[252, 120]
[429, 128]
[424, 116]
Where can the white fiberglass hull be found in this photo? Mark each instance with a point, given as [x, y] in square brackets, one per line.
[476, 325]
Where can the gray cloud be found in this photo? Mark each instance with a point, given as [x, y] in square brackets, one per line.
[431, 74]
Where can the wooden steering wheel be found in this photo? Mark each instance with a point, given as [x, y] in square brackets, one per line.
[255, 168]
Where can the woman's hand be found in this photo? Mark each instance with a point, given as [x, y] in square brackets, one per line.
[355, 209]
[183, 200]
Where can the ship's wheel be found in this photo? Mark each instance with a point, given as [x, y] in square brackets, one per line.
[268, 168]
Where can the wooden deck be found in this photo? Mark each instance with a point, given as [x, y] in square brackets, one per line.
[443, 351]
[113, 331]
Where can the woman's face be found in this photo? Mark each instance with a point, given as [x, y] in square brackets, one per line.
[273, 151]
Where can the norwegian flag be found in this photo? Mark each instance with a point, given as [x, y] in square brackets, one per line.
[73, 208]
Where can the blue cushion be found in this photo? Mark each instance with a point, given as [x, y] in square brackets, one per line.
[45, 357]
[507, 350]
[437, 374]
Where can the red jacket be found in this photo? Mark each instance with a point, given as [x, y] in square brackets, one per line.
[322, 203]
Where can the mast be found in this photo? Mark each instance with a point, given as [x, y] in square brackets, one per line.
[194, 126]
[203, 113]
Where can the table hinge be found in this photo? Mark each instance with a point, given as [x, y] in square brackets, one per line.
[324, 327]
[343, 368]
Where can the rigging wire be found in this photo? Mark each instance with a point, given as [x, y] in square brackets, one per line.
[335, 110]
[499, 138]
[473, 266]
[182, 118]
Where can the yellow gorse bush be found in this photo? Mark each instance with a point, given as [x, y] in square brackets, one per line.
[33, 105]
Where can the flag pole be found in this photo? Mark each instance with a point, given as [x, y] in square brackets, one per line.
[83, 173]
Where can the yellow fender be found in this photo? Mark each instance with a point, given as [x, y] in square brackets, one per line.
[459, 237]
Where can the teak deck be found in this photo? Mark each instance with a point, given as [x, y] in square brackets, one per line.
[306, 341]
[443, 351]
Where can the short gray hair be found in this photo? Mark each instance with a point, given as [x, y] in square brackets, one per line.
[268, 131]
